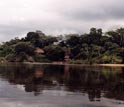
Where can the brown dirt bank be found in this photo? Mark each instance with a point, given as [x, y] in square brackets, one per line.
[112, 65]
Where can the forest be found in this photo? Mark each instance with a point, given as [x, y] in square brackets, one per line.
[95, 47]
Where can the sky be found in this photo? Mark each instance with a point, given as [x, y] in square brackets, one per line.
[55, 17]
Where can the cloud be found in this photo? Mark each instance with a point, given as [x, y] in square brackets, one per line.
[58, 16]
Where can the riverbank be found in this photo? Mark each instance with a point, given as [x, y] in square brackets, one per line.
[58, 63]
[104, 65]
[112, 65]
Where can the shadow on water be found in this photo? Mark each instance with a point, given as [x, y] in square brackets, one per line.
[96, 82]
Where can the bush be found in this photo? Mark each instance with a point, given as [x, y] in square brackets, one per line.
[76, 62]
[54, 53]
[40, 59]
[10, 58]
[110, 59]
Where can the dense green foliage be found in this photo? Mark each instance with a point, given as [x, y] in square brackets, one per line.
[92, 47]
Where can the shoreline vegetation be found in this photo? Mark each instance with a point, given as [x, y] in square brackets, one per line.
[93, 48]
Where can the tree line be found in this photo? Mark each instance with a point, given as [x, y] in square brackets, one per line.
[93, 47]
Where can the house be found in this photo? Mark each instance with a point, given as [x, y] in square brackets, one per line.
[39, 51]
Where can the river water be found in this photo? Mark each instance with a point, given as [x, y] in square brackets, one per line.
[26, 85]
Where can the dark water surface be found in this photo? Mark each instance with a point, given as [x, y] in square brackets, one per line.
[24, 85]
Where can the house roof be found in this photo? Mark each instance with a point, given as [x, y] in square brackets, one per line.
[39, 51]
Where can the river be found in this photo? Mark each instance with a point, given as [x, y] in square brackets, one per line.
[28, 85]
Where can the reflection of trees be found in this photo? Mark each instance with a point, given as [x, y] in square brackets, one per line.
[32, 78]
[94, 81]
[89, 82]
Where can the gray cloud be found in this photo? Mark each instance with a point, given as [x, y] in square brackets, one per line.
[58, 16]
[97, 10]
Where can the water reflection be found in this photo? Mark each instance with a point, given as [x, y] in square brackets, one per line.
[96, 82]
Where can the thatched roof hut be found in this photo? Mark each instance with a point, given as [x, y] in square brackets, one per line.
[39, 51]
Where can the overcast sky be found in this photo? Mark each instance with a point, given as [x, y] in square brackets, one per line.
[58, 16]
